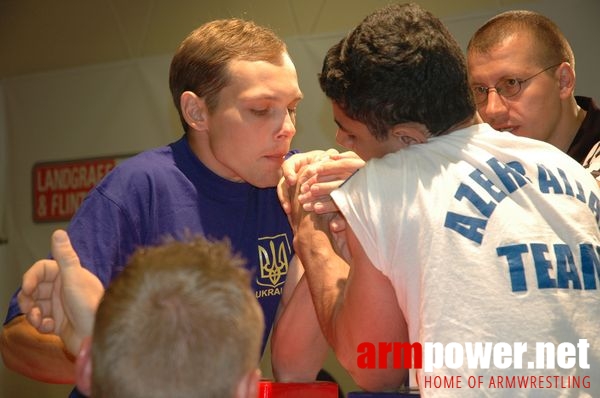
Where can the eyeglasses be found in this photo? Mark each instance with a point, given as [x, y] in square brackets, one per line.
[506, 87]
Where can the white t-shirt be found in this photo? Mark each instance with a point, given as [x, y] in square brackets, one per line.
[486, 237]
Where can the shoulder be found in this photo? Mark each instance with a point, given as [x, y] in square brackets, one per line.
[147, 161]
[140, 178]
[143, 167]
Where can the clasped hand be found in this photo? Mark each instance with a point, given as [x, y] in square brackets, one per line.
[308, 180]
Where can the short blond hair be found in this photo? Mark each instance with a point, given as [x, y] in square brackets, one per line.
[180, 320]
[550, 42]
[201, 61]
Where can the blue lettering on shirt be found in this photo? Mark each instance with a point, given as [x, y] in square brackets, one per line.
[590, 264]
[470, 227]
[555, 266]
[516, 268]
[511, 174]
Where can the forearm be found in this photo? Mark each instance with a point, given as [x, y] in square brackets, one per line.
[298, 347]
[38, 356]
[364, 316]
[370, 302]
[326, 273]
[345, 296]
[354, 305]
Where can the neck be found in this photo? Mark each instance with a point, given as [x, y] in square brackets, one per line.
[565, 133]
[469, 121]
[200, 145]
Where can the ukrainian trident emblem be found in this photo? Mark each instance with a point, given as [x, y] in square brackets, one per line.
[273, 256]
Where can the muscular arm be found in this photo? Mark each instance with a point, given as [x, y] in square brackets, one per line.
[355, 303]
[298, 347]
[39, 356]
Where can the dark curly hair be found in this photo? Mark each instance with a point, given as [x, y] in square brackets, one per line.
[400, 64]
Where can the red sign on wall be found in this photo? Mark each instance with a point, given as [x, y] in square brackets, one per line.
[59, 187]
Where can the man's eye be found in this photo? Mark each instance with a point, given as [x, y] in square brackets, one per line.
[260, 112]
[292, 112]
[480, 90]
[349, 136]
[511, 82]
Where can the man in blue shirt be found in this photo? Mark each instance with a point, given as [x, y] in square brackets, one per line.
[236, 91]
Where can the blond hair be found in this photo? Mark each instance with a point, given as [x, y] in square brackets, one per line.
[180, 320]
[201, 61]
[550, 44]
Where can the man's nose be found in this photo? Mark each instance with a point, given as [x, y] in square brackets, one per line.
[288, 128]
[494, 108]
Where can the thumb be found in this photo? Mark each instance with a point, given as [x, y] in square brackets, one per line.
[63, 252]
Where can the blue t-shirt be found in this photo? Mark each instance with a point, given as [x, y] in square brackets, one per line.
[168, 192]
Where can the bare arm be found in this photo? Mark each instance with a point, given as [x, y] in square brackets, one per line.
[42, 357]
[355, 303]
[298, 347]
[370, 301]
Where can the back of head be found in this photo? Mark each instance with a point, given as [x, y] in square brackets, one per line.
[201, 60]
[400, 64]
[179, 321]
[548, 43]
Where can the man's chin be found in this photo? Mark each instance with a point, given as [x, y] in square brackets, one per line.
[265, 181]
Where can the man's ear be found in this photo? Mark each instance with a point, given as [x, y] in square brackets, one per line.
[410, 133]
[83, 367]
[194, 111]
[248, 386]
[566, 79]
